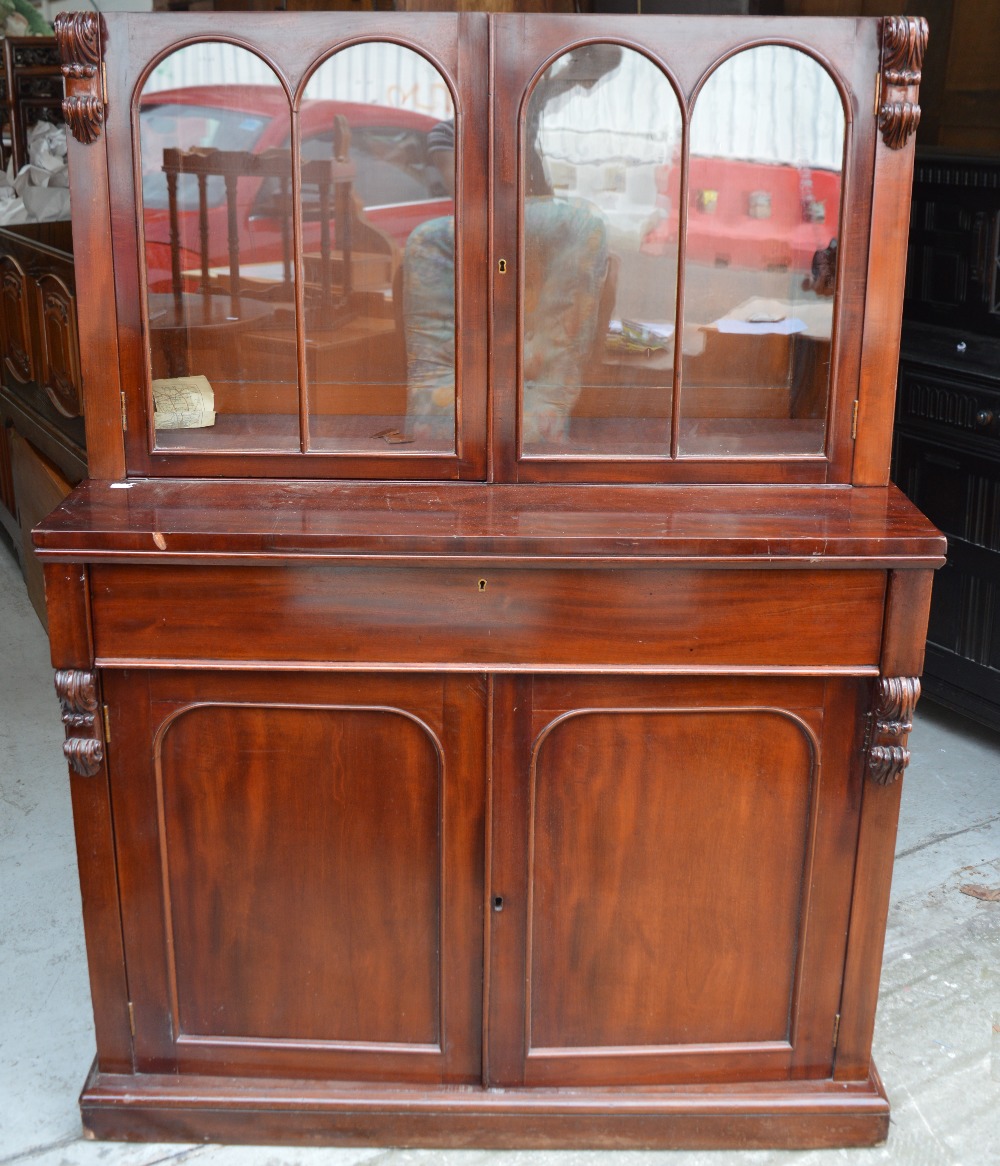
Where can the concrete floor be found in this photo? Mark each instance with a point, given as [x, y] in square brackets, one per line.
[940, 984]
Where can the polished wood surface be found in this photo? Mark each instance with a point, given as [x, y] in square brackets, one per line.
[227, 971]
[717, 523]
[463, 617]
[71, 644]
[759, 1116]
[534, 785]
[628, 773]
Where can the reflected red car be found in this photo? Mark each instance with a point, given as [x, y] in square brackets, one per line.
[395, 182]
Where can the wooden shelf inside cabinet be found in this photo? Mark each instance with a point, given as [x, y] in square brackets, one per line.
[487, 575]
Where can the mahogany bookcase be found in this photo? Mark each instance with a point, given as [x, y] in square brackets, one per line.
[487, 638]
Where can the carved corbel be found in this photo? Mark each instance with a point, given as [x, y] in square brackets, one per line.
[889, 725]
[83, 747]
[80, 37]
[904, 41]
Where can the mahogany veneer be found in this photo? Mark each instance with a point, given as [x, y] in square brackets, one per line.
[553, 807]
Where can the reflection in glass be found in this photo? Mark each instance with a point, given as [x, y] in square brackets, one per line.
[377, 181]
[599, 290]
[219, 268]
[767, 142]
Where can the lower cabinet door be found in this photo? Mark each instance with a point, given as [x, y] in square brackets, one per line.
[671, 877]
[301, 864]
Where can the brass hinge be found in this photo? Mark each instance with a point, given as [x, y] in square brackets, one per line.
[107, 726]
[124, 414]
[878, 93]
[836, 1029]
[131, 1018]
[854, 421]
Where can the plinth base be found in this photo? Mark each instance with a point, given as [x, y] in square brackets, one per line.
[787, 1115]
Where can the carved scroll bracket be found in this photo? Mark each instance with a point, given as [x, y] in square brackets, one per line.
[80, 39]
[889, 725]
[904, 42]
[83, 747]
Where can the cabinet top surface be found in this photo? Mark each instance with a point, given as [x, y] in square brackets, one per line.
[184, 521]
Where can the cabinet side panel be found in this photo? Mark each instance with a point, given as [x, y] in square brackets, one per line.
[68, 602]
[907, 606]
[72, 655]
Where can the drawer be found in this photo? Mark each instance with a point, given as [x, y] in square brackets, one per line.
[489, 618]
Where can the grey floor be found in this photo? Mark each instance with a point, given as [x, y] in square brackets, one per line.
[934, 1039]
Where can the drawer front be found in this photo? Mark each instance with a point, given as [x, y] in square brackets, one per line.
[957, 408]
[464, 617]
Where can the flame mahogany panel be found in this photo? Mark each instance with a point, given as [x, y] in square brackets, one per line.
[647, 618]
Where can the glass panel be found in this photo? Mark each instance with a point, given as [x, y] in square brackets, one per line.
[602, 139]
[214, 126]
[378, 178]
[767, 144]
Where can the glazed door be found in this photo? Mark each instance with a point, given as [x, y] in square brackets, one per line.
[671, 877]
[674, 302]
[301, 861]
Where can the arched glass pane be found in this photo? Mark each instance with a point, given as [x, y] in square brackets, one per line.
[602, 139]
[764, 188]
[214, 123]
[378, 181]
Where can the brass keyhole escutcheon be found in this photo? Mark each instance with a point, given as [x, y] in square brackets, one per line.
[482, 584]
[502, 267]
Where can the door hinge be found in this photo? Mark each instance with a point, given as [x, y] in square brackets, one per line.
[836, 1030]
[131, 1018]
[878, 93]
[107, 725]
[854, 421]
[124, 413]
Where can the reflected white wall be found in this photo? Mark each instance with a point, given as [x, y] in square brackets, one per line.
[375, 74]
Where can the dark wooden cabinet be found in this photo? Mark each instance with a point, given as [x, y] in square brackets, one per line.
[32, 91]
[487, 640]
[947, 459]
[41, 389]
[947, 440]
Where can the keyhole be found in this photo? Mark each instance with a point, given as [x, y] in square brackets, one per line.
[482, 584]
[502, 267]
[498, 902]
